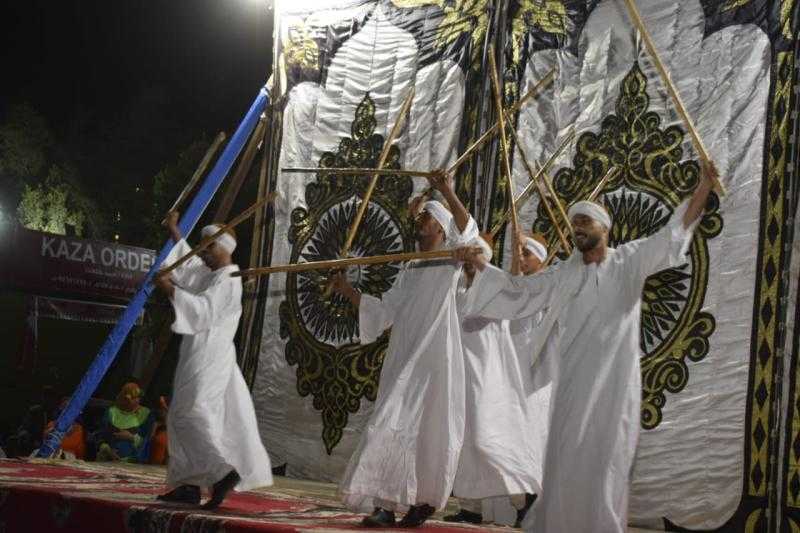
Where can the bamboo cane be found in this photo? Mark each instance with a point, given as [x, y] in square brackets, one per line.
[534, 177]
[612, 172]
[492, 131]
[242, 171]
[530, 187]
[488, 134]
[636, 18]
[554, 195]
[501, 121]
[362, 208]
[357, 171]
[393, 134]
[198, 173]
[206, 242]
[338, 264]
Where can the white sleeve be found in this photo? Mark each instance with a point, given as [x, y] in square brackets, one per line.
[499, 295]
[200, 312]
[187, 274]
[462, 238]
[373, 318]
[375, 315]
[666, 248]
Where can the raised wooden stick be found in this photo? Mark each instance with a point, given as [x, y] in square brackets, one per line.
[338, 264]
[362, 208]
[198, 173]
[501, 121]
[636, 18]
[206, 242]
[534, 177]
[535, 184]
[612, 172]
[487, 135]
[387, 145]
[361, 171]
[492, 131]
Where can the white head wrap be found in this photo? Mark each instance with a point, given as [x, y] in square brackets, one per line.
[226, 240]
[592, 210]
[442, 216]
[484, 246]
[538, 249]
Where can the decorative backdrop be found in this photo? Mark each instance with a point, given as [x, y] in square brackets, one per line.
[720, 442]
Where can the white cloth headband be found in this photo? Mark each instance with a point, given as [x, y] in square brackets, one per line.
[538, 249]
[487, 250]
[591, 210]
[226, 240]
[441, 215]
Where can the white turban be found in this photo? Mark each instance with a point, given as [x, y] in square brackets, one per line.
[441, 215]
[592, 210]
[226, 240]
[538, 249]
[484, 246]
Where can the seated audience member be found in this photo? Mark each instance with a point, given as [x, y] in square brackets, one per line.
[126, 428]
[73, 445]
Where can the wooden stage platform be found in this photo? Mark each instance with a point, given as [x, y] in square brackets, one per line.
[60, 496]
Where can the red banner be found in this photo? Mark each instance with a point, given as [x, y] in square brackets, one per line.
[57, 264]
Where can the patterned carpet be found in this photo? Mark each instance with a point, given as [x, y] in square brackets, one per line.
[43, 496]
[73, 496]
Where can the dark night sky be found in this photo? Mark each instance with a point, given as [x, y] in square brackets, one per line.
[127, 85]
[75, 59]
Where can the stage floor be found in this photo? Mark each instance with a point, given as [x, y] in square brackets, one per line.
[41, 495]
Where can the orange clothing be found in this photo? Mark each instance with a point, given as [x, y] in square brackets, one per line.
[74, 441]
[158, 447]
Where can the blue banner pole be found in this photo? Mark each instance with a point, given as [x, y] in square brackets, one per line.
[117, 337]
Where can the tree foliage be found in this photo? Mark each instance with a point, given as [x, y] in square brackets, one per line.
[39, 184]
[52, 205]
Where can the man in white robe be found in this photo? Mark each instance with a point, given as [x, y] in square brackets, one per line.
[408, 453]
[593, 301]
[212, 435]
[497, 458]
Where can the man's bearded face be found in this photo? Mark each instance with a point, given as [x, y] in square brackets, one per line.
[588, 232]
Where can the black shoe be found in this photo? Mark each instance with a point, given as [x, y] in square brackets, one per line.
[416, 515]
[464, 516]
[221, 489]
[379, 518]
[529, 499]
[184, 494]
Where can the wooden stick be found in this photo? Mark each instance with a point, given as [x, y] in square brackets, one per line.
[492, 131]
[242, 171]
[636, 18]
[198, 173]
[387, 145]
[338, 264]
[612, 172]
[531, 186]
[488, 134]
[206, 242]
[361, 171]
[501, 121]
[362, 208]
[534, 177]
[558, 203]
